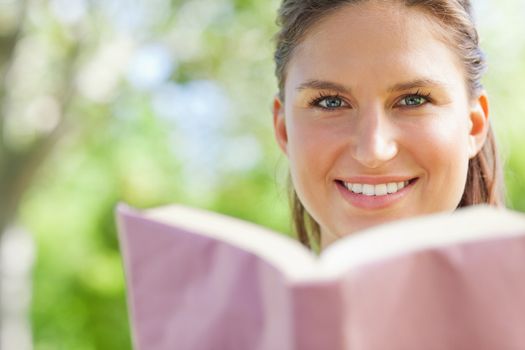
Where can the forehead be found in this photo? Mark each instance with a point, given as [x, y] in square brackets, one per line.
[385, 38]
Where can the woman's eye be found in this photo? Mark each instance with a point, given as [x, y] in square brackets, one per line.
[413, 100]
[331, 102]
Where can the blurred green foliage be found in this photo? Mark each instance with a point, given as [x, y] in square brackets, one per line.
[159, 102]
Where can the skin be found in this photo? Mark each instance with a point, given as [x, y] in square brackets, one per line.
[401, 111]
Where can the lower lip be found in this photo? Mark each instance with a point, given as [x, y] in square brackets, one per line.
[362, 201]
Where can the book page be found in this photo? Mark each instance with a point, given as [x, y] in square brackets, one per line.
[475, 223]
[285, 253]
[299, 264]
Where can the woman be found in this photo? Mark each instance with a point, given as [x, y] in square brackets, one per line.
[381, 113]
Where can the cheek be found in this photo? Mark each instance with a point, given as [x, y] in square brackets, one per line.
[442, 149]
[451, 138]
[312, 144]
[313, 148]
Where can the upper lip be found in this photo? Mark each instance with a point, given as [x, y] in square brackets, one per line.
[375, 180]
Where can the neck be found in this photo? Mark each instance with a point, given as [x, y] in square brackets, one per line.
[327, 238]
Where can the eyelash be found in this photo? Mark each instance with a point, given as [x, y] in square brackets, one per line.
[323, 96]
[426, 96]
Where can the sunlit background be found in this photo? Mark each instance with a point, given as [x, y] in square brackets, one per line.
[153, 102]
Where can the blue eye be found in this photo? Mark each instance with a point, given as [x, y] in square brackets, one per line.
[329, 102]
[413, 101]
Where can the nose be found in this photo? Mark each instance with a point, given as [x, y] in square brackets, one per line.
[375, 142]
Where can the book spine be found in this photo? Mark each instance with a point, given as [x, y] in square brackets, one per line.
[317, 315]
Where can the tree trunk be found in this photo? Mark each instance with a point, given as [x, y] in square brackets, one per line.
[17, 255]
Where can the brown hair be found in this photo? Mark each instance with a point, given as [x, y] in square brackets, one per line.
[484, 179]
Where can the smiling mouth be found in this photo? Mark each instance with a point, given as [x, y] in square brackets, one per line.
[376, 190]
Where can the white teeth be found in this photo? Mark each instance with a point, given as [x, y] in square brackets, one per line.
[391, 187]
[368, 190]
[381, 190]
[376, 190]
[357, 188]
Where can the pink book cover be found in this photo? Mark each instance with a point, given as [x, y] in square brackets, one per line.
[200, 280]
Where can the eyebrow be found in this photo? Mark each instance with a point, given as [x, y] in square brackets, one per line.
[418, 83]
[316, 84]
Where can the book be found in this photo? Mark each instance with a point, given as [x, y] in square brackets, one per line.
[203, 281]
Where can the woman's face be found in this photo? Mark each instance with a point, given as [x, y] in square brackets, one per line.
[377, 123]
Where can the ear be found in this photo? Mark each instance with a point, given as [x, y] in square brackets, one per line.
[479, 123]
[279, 124]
